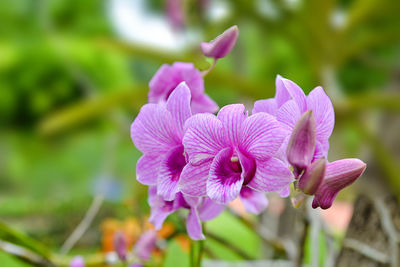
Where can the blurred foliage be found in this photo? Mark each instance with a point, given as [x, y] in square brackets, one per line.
[70, 86]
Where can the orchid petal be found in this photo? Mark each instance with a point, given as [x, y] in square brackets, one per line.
[262, 136]
[301, 147]
[208, 209]
[338, 175]
[271, 175]
[192, 201]
[193, 225]
[267, 105]
[178, 104]
[181, 201]
[204, 103]
[169, 172]
[193, 179]
[253, 201]
[147, 169]
[160, 209]
[161, 84]
[321, 150]
[154, 131]
[285, 192]
[224, 182]
[222, 45]
[158, 216]
[288, 115]
[281, 153]
[168, 77]
[248, 167]
[287, 90]
[204, 137]
[232, 117]
[322, 108]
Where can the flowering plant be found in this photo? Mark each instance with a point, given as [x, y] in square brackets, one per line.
[195, 160]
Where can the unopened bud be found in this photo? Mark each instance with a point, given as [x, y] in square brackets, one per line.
[222, 45]
[312, 177]
[301, 147]
[120, 245]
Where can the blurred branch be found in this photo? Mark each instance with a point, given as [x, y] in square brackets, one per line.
[233, 80]
[366, 250]
[24, 254]
[302, 243]
[359, 11]
[390, 230]
[88, 109]
[10, 235]
[315, 229]
[146, 52]
[378, 100]
[83, 225]
[370, 41]
[35, 253]
[241, 84]
[92, 108]
[383, 157]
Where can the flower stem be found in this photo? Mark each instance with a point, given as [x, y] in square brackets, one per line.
[200, 253]
[205, 72]
[201, 249]
[191, 254]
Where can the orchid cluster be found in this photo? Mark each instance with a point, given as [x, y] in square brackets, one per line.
[196, 161]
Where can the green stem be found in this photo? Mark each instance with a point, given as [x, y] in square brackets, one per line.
[200, 253]
[191, 254]
[201, 248]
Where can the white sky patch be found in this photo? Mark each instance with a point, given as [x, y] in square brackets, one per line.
[339, 19]
[133, 22]
[218, 10]
[293, 4]
[267, 9]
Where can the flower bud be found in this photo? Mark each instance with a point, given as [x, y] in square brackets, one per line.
[222, 45]
[338, 175]
[313, 176]
[176, 14]
[77, 262]
[120, 244]
[145, 245]
[301, 147]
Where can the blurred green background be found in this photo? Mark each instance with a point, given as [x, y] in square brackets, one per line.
[74, 74]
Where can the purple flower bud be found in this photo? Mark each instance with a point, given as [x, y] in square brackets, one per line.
[120, 244]
[77, 262]
[338, 175]
[313, 176]
[300, 150]
[145, 245]
[222, 45]
[176, 14]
